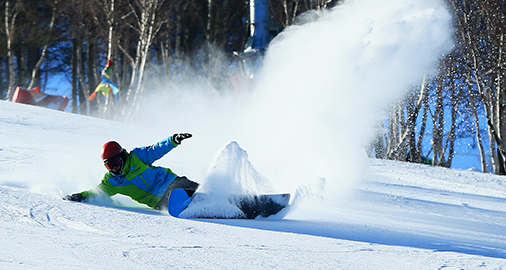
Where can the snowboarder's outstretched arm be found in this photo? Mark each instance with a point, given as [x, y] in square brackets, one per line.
[149, 154]
[103, 188]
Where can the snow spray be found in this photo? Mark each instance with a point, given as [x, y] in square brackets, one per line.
[323, 86]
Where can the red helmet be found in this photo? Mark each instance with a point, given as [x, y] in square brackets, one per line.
[113, 156]
[110, 149]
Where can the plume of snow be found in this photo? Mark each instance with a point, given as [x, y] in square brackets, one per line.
[322, 88]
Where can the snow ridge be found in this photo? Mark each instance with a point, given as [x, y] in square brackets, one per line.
[231, 173]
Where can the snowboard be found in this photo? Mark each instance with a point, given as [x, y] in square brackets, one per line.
[251, 205]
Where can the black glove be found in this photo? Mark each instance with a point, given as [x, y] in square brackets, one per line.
[178, 138]
[76, 197]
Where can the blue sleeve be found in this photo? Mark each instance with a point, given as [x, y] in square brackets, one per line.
[149, 154]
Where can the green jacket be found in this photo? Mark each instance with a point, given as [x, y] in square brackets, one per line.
[139, 180]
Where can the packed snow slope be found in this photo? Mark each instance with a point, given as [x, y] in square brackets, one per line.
[324, 84]
[402, 216]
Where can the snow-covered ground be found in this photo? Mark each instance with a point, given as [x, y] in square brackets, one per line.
[301, 130]
[402, 216]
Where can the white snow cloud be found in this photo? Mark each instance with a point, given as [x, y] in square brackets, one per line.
[325, 83]
[322, 87]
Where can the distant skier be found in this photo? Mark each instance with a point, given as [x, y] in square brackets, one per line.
[132, 174]
[106, 86]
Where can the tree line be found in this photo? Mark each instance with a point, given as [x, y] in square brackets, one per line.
[43, 38]
[465, 101]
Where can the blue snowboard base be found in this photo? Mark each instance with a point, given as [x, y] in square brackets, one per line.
[178, 201]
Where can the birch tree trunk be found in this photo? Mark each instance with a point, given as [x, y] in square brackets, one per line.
[11, 13]
[478, 131]
[437, 126]
[393, 131]
[110, 19]
[450, 138]
[147, 28]
[402, 137]
[425, 105]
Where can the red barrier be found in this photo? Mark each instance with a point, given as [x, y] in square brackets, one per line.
[34, 97]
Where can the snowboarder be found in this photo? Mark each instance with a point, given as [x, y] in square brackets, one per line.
[133, 175]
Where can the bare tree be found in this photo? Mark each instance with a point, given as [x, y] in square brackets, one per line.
[403, 143]
[284, 12]
[110, 21]
[48, 39]
[12, 9]
[146, 24]
[481, 34]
